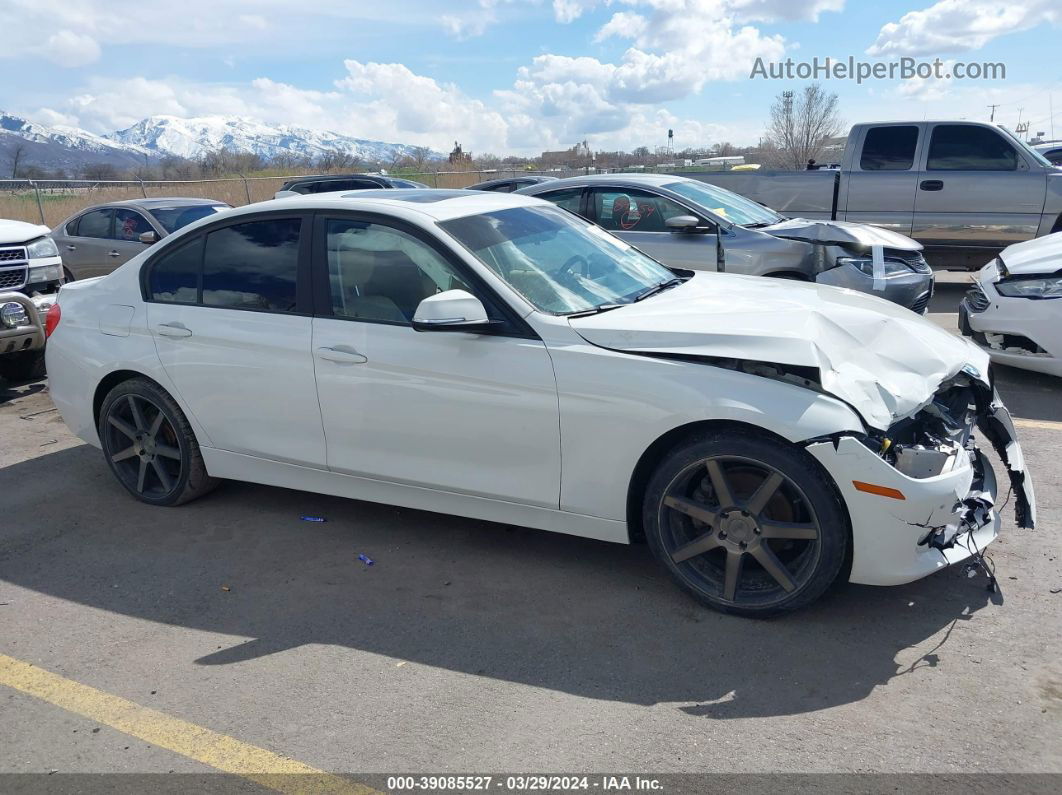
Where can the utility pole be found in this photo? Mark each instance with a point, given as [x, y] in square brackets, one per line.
[993, 107]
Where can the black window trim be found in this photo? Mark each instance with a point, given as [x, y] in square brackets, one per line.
[303, 282]
[515, 326]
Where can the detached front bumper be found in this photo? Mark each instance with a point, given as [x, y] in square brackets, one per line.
[905, 528]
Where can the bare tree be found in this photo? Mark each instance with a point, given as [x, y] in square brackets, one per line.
[800, 126]
[18, 152]
[99, 171]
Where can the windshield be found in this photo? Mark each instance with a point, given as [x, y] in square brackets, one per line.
[557, 261]
[725, 204]
[173, 218]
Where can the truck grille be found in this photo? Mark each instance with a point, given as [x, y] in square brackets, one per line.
[12, 278]
[976, 299]
[12, 254]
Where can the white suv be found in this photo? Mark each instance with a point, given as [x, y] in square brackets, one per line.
[31, 272]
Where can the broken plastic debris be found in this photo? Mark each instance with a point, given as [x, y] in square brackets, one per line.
[314, 519]
[365, 559]
[225, 588]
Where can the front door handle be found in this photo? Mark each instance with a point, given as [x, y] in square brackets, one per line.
[172, 330]
[113, 253]
[341, 356]
[71, 248]
[931, 184]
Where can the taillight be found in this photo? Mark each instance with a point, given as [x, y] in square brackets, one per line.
[51, 320]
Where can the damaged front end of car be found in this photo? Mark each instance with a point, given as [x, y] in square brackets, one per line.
[932, 477]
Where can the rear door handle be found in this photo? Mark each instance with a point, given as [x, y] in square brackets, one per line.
[113, 253]
[172, 330]
[341, 356]
[71, 248]
[931, 184]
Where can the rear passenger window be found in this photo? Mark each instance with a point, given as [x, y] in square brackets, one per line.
[567, 199]
[95, 224]
[964, 147]
[889, 149]
[252, 265]
[174, 277]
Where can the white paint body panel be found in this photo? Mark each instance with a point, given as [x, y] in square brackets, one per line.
[544, 433]
[1039, 320]
[447, 410]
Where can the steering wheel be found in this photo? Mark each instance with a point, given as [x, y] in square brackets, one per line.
[568, 268]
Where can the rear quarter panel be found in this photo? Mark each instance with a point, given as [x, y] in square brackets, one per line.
[103, 329]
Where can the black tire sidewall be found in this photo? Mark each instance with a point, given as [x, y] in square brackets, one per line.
[145, 389]
[793, 462]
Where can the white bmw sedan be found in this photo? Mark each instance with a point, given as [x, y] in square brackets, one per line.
[493, 356]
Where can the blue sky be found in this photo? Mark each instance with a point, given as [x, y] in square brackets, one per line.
[513, 75]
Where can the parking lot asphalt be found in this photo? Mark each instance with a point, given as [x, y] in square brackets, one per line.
[476, 647]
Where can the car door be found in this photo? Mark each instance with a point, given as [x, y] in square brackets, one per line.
[230, 313]
[125, 241]
[639, 217]
[976, 189]
[881, 186]
[454, 411]
[85, 245]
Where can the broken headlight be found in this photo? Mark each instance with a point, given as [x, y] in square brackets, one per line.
[1047, 287]
[893, 266]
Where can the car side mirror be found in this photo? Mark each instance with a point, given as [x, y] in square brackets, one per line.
[682, 223]
[452, 310]
[149, 237]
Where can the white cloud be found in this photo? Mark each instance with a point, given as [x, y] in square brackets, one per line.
[473, 22]
[570, 10]
[960, 25]
[67, 48]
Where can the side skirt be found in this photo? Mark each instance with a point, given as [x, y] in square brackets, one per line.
[236, 466]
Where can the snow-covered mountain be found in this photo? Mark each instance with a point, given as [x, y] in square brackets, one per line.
[192, 137]
[59, 147]
[70, 149]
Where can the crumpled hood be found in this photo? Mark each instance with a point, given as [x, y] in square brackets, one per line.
[883, 360]
[843, 233]
[20, 232]
[1040, 255]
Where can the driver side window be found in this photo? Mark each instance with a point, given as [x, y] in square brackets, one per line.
[621, 210]
[380, 274]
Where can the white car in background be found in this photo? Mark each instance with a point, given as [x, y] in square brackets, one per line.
[31, 272]
[1014, 310]
[447, 350]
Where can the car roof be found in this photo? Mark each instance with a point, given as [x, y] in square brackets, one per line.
[654, 180]
[437, 204]
[156, 202]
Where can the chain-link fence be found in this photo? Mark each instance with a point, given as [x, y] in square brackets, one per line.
[49, 202]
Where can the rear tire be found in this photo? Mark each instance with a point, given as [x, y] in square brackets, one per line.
[150, 446]
[746, 523]
[22, 366]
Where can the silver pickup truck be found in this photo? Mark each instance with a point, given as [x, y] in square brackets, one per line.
[963, 189]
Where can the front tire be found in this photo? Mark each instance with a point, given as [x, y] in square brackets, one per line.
[149, 445]
[22, 366]
[746, 523]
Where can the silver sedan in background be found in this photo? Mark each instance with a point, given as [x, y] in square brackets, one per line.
[690, 224]
[98, 239]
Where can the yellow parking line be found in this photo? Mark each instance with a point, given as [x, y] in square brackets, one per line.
[1047, 425]
[195, 742]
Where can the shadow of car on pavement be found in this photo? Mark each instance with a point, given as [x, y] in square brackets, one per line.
[583, 617]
